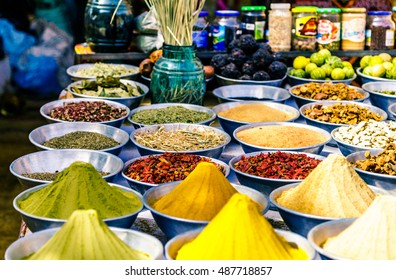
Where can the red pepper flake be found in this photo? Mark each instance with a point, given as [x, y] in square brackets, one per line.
[167, 167]
[277, 165]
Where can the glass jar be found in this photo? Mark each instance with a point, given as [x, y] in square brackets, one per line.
[224, 29]
[279, 27]
[201, 31]
[304, 25]
[103, 34]
[178, 76]
[353, 22]
[253, 21]
[329, 29]
[380, 30]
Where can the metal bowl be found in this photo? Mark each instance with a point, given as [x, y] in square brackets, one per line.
[173, 226]
[261, 184]
[392, 110]
[48, 161]
[251, 92]
[131, 102]
[173, 246]
[293, 81]
[368, 79]
[301, 101]
[72, 71]
[46, 132]
[223, 81]
[31, 243]
[381, 100]
[212, 152]
[46, 109]
[329, 127]
[320, 233]
[346, 148]
[229, 125]
[382, 181]
[142, 187]
[166, 105]
[37, 223]
[300, 222]
[314, 149]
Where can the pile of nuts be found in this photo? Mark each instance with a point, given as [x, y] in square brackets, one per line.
[341, 113]
[368, 134]
[327, 91]
[382, 163]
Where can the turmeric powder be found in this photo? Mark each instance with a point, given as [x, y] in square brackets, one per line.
[240, 232]
[198, 197]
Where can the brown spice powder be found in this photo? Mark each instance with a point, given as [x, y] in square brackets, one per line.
[280, 136]
[255, 113]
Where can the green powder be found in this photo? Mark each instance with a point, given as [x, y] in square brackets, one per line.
[80, 186]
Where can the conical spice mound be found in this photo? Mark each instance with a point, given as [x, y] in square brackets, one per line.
[240, 232]
[198, 197]
[85, 237]
[80, 186]
[332, 189]
[372, 236]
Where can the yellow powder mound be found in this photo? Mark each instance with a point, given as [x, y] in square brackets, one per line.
[372, 236]
[256, 113]
[240, 232]
[198, 197]
[332, 189]
[80, 186]
[85, 237]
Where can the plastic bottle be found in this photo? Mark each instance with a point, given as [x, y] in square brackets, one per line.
[225, 28]
[279, 27]
[201, 31]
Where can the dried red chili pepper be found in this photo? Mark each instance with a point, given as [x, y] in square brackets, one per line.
[167, 167]
[277, 165]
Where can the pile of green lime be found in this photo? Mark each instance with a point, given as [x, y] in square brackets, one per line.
[322, 65]
[379, 66]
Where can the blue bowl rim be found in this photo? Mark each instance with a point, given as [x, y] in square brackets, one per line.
[343, 102]
[217, 90]
[319, 249]
[148, 206]
[311, 127]
[286, 181]
[250, 82]
[318, 81]
[366, 94]
[371, 92]
[147, 127]
[44, 219]
[239, 103]
[165, 105]
[392, 109]
[129, 162]
[61, 151]
[85, 124]
[359, 72]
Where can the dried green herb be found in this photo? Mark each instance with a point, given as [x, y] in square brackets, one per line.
[48, 176]
[82, 140]
[171, 114]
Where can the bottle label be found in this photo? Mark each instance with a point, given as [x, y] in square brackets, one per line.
[390, 38]
[218, 37]
[201, 38]
[306, 27]
[328, 32]
[259, 31]
[368, 37]
[354, 30]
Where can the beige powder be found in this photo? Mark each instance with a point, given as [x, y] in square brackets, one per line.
[255, 113]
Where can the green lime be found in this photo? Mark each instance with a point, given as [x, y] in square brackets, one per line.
[349, 72]
[347, 64]
[317, 58]
[300, 62]
[337, 74]
[376, 59]
[365, 61]
[310, 66]
[318, 74]
[391, 73]
[387, 65]
[386, 57]
[327, 69]
[325, 53]
[368, 70]
[300, 73]
[378, 70]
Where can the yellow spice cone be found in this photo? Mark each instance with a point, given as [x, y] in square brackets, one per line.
[85, 237]
[239, 232]
[332, 189]
[200, 196]
[370, 237]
